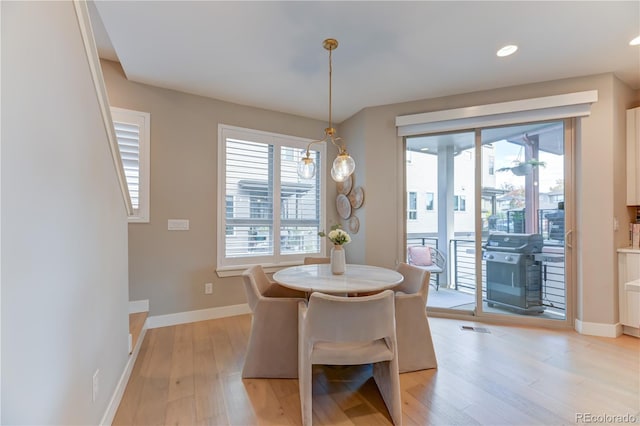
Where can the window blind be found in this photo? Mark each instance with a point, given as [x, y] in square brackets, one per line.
[132, 131]
[268, 214]
[128, 136]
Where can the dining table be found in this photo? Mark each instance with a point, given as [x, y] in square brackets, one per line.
[356, 280]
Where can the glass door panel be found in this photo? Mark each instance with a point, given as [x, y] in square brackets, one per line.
[523, 220]
[440, 185]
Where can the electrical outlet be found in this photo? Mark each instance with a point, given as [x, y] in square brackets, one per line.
[208, 288]
[96, 384]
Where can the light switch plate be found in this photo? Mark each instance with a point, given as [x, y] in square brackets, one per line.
[178, 224]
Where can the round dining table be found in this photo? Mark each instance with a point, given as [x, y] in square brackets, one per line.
[357, 279]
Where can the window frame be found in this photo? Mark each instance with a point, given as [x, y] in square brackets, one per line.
[143, 121]
[430, 203]
[233, 266]
[412, 205]
[459, 203]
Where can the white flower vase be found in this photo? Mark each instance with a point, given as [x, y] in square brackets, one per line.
[338, 262]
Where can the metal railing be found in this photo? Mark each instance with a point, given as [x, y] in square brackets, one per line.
[461, 267]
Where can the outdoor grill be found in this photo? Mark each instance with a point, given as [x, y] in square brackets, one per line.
[514, 276]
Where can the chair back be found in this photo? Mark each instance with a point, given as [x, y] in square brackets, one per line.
[316, 260]
[256, 283]
[350, 319]
[416, 280]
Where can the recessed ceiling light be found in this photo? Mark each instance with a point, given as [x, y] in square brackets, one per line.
[507, 50]
[635, 41]
[424, 149]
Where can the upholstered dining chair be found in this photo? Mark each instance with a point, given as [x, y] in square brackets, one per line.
[335, 330]
[273, 344]
[316, 260]
[415, 345]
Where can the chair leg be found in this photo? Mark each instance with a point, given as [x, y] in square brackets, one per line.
[387, 378]
[305, 384]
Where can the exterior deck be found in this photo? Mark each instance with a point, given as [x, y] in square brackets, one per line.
[457, 289]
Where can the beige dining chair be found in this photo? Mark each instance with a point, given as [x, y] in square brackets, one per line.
[273, 344]
[335, 330]
[415, 345]
[316, 260]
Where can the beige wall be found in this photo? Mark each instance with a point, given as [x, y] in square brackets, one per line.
[64, 229]
[353, 130]
[599, 184]
[169, 268]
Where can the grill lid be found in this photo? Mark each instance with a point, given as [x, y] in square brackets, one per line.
[514, 243]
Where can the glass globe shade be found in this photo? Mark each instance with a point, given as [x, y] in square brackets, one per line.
[306, 168]
[336, 176]
[344, 165]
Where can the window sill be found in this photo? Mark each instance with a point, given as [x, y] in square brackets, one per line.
[236, 271]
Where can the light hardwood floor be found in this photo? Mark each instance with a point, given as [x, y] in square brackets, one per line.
[190, 375]
[136, 323]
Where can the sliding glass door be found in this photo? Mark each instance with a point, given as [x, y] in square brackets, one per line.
[496, 204]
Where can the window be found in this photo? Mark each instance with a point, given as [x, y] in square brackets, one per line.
[413, 206]
[459, 203]
[492, 165]
[430, 200]
[132, 132]
[271, 216]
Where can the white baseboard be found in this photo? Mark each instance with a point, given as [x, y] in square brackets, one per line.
[598, 329]
[631, 331]
[116, 398]
[200, 315]
[136, 306]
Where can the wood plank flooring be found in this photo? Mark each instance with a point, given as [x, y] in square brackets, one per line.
[190, 374]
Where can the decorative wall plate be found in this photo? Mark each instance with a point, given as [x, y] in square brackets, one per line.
[345, 187]
[343, 206]
[356, 198]
[353, 224]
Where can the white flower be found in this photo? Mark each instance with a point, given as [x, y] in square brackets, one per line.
[338, 236]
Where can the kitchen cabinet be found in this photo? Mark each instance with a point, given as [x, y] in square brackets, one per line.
[629, 290]
[633, 157]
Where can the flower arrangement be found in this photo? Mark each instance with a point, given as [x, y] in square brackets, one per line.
[337, 235]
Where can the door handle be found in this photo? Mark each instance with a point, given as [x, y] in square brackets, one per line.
[567, 237]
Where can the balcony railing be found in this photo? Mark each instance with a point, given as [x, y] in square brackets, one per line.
[461, 267]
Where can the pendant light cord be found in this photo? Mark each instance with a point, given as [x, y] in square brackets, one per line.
[330, 80]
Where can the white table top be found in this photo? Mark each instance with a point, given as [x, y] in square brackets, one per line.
[356, 279]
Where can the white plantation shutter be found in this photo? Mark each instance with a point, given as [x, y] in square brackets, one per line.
[132, 133]
[267, 214]
[128, 136]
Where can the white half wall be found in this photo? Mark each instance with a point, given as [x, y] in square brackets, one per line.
[63, 264]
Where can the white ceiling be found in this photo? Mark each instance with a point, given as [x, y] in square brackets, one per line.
[269, 54]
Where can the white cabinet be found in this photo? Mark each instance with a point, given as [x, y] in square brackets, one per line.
[629, 290]
[633, 157]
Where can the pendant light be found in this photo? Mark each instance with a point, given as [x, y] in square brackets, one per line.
[343, 165]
